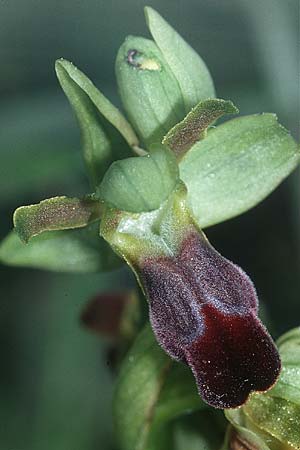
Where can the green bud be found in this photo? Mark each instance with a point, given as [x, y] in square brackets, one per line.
[148, 89]
[160, 81]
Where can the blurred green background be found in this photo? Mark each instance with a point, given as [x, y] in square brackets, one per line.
[55, 384]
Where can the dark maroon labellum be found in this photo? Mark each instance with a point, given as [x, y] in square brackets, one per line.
[203, 310]
[103, 313]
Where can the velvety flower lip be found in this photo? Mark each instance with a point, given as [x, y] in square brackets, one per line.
[203, 310]
[103, 313]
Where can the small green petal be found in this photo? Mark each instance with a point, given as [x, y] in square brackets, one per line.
[190, 130]
[57, 213]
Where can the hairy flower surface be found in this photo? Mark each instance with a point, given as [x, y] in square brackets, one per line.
[203, 308]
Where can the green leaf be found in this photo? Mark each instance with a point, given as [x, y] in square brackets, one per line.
[144, 400]
[236, 166]
[193, 127]
[188, 68]
[275, 416]
[278, 411]
[140, 183]
[57, 213]
[245, 435]
[288, 385]
[106, 133]
[291, 337]
[80, 250]
[199, 431]
[149, 91]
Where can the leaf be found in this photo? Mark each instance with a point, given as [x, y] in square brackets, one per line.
[144, 399]
[291, 337]
[199, 431]
[57, 213]
[188, 68]
[80, 250]
[106, 133]
[288, 385]
[236, 166]
[149, 91]
[140, 183]
[244, 436]
[277, 417]
[190, 130]
[278, 411]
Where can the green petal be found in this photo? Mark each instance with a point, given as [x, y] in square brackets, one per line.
[149, 91]
[57, 213]
[106, 133]
[140, 183]
[188, 68]
[151, 390]
[80, 250]
[193, 127]
[236, 166]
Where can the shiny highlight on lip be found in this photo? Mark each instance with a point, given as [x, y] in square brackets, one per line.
[203, 310]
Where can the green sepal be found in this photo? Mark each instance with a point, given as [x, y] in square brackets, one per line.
[151, 391]
[57, 213]
[149, 91]
[79, 250]
[236, 166]
[140, 184]
[190, 71]
[106, 134]
[193, 127]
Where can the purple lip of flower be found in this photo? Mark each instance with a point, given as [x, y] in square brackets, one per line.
[203, 311]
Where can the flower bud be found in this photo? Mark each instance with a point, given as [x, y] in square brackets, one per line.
[203, 308]
[160, 81]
